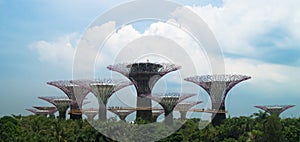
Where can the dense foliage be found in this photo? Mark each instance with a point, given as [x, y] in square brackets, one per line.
[258, 127]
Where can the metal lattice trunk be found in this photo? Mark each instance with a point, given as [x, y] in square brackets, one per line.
[61, 103]
[90, 113]
[75, 93]
[122, 113]
[103, 89]
[169, 102]
[144, 76]
[62, 106]
[184, 107]
[217, 87]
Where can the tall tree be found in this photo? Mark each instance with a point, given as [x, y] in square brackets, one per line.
[273, 129]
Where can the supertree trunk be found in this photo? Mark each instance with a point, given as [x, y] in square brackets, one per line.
[103, 89]
[62, 107]
[184, 107]
[61, 103]
[182, 115]
[144, 76]
[75, 93]
[217, 87]
[169, 102]
[90, 113]
[121, 113]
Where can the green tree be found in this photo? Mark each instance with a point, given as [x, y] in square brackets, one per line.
[273, 129]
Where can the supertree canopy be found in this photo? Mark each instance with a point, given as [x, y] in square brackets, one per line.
[144, 76]
[156, 113]
[120, 112]
[275, 109]
[103, 89]
[184, 107]
[44, 107]
[90, 113]
[217, 87]
[47, 108]
[61, 103]
[74, 92]
[42, 112]
[168, 102]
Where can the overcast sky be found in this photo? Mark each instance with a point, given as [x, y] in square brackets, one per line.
[257, 38]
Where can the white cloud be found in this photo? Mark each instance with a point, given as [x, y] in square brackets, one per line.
[58, 52]
[237, 23]
[270, 79]
[157, 41]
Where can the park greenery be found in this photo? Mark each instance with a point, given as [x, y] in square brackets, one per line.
[259, 127]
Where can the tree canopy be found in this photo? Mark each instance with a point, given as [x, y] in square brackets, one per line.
[257, 127]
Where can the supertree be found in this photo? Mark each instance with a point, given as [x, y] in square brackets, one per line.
[217, 87]
[209, 110]
[42, 112]
[61, 103]
[275, 109]
[90, 113]
[77, 111]
[51, 99]
[168, 101]
[122, 113]
[144, 76]
[184, 107]
[156, 113]
[103, 89]
[74, 92]
[47, 108]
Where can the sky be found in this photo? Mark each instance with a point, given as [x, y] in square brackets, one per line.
[258, 38]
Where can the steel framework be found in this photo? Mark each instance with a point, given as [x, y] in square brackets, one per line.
[184, 107]
[74, 92]
[61, 103]
[121, 113]
[44, 107]
[168, 102]
[217, 87]
[42, 112]
[144, 76]
[90, 113]
[47, 108]
[275, 109]
[103, 89]
[135, 109]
